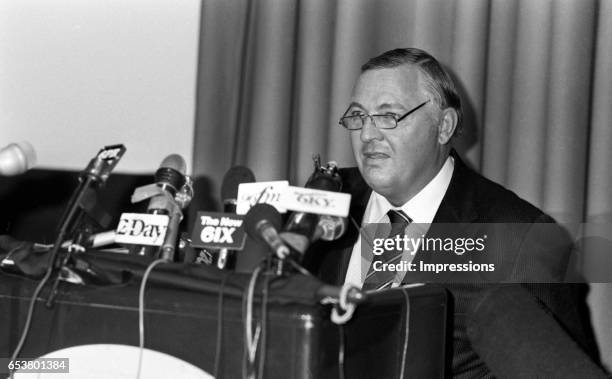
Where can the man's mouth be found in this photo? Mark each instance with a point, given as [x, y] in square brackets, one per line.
[375, 155]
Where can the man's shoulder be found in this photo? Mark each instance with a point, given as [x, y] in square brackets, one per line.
[496, 203]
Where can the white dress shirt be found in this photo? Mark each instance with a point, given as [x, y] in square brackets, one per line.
[421, 209]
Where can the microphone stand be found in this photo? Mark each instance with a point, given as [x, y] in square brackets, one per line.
[96, 173]
[72, 213]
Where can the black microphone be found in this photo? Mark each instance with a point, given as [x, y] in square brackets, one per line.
[94, 176]
[229, 195]
[229, 188]
[517, 338]
[16, 158]
[262, 222]
[303, 228]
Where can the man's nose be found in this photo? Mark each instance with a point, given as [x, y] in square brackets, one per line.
[369, 131]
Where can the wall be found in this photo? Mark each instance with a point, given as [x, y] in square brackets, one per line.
[78, 75]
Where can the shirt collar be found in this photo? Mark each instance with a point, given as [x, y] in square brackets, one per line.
[422, 207]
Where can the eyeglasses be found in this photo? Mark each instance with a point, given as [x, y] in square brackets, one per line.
[381, 121]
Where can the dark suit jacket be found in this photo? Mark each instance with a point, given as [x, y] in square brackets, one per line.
[472, 199]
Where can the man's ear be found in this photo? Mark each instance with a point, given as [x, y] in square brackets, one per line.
[447, 126]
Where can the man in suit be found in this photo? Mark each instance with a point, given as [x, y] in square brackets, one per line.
[403, 115]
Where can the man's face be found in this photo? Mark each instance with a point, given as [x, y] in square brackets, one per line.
[397, 163]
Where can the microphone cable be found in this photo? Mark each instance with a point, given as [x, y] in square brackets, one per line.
[28, 322]
[218, 348]
[141, 291]
[264, 318]
[250, 339]
[341, 351]
[301, 269]
[259, 338]
[406, 333]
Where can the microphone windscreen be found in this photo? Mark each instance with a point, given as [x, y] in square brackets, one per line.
[175, 162]
[517, 338]
[234, 177]
[17, 158]
[28, 152]
[324, 182]
[258, 213]
[171, 173]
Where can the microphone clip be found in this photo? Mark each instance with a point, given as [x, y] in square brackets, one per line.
[181, 200]
[100, 167]
[325, 177]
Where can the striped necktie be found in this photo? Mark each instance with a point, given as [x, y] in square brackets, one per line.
[376, 280]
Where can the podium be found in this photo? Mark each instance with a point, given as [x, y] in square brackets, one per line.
[394, 331]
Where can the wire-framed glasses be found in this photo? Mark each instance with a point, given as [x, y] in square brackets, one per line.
[381, 121]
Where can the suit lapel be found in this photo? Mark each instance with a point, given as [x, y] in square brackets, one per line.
[457, 207]
[458, 203]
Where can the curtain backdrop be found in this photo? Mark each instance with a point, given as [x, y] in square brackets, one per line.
[275, 75]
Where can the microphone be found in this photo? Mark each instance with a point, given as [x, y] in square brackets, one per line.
[170, 193]
[304, 228]
[517, 338]
[93, 176]
[262, 222]
[330, 228]
[229, 189]
[170, 177]
[16, 158]
[97, 240]
[229, 195]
